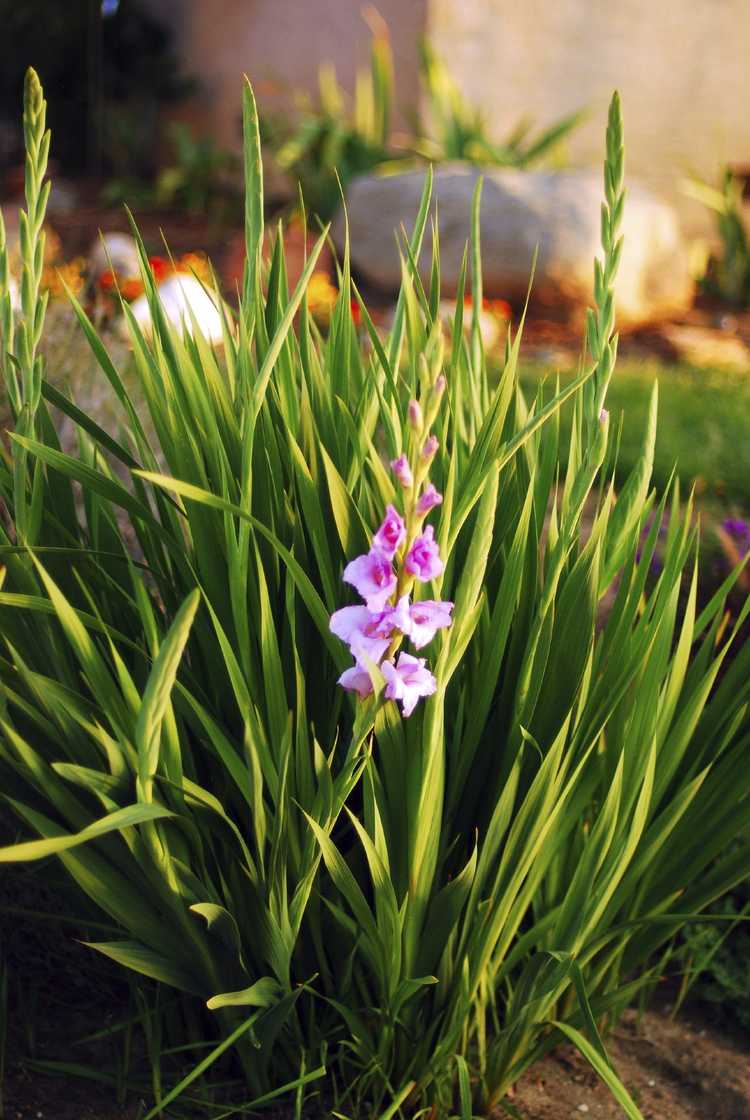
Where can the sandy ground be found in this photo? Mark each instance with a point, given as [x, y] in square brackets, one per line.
[679, 1069]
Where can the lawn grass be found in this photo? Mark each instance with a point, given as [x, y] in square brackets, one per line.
[704, 424]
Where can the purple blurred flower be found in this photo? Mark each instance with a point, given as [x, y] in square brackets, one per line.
[738, 530]
[423, 560]
[402, 471]
[407, 681]
[391, 534]
[426, 618]
[373, 577]
[428, 500]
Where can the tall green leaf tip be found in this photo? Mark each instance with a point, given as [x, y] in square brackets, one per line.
[253, 186]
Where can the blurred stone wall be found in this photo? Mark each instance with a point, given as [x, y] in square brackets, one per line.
[280, 45]
[682, 68]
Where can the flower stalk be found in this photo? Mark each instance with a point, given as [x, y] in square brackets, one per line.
[403, 554]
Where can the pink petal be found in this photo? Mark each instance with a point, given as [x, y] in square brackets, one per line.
[391, 534]
[357, 680]
[373, 577]
[428, 499]
[426, 618]
[423, 560]
[346, 621]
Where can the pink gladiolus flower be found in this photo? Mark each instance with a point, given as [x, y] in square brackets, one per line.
[402, 471]
[428, 499]
[357, 680]
[426, 618]
[430, 447]
[391, 534]
[373, 577]
[407, 681]
[366, 634]
[399, 617]
[423, 560]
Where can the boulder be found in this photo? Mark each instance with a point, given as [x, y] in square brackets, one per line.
[115, 251]
[557, 211]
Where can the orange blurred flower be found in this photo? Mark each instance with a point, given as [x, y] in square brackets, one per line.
[160, 267]
[131, 287]
[499, 307]
[68, 275]
[196, 263]
[321, 296]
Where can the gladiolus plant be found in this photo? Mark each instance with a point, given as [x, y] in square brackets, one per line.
[319, 691]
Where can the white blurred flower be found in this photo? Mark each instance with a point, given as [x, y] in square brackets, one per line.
[15, 294]
[185, 301]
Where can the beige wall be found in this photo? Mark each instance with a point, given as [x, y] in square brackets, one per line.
[280, 45]
[682, 68]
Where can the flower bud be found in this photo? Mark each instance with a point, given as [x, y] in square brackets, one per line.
[431, 445]
[428, 500]
[402, 471]
[603, 417]
[416, 420]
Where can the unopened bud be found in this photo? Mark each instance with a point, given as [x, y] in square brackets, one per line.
[402, 471]
[428, 499]
[430, 447]
[433, 400]
[416, 420]
[603, 417]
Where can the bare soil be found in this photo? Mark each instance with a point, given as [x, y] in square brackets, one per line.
[684, 1069]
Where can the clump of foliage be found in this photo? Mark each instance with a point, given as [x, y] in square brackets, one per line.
[715, 958]
[200, 178]
[331, 142]
[397, 908]
[457, 130]
[197, 179]
[727, 276]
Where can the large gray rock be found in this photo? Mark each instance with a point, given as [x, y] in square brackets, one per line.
[558, 211]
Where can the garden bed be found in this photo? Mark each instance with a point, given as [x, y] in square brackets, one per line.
[683, 1069]
[695, 1066]
[692, 1067]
